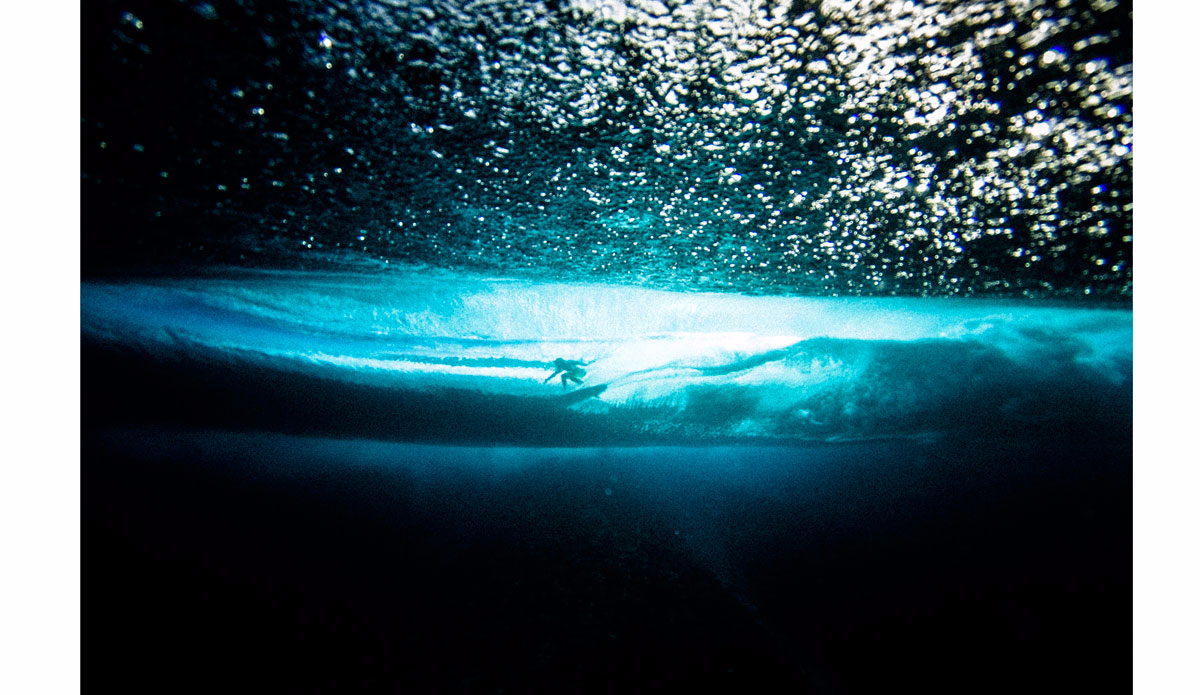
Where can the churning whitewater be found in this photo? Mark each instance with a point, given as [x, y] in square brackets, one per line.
[614, 346]
[677, 365]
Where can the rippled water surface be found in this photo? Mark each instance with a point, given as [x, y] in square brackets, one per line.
[849, 283]
[862, 148]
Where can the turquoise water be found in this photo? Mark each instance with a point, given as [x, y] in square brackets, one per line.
[852, 283]
[364, 481]
[661, 366]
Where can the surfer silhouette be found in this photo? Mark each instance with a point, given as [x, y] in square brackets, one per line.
[571, 370]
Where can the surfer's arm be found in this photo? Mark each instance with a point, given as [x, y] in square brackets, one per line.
[556, 373]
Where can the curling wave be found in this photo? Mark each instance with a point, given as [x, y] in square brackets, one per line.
[391, 349]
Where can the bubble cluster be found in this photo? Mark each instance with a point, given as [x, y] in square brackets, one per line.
[860, 147]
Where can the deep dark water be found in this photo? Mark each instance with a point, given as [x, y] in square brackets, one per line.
[276, 495]
[263, 562]
[251, 525]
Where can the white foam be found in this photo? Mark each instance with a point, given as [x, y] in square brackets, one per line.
[805, 360]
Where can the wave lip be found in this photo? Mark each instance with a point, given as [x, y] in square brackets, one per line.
[663, 365]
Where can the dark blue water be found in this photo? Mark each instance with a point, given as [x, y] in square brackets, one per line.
[336, 481]
[850, 285]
